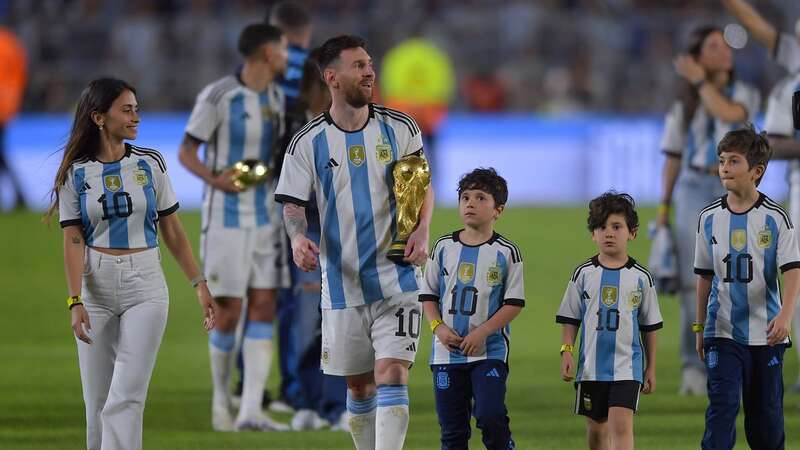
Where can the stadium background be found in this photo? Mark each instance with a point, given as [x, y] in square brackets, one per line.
[579, 88]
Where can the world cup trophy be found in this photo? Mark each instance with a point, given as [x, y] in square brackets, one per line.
[249, 172]
[412, 176]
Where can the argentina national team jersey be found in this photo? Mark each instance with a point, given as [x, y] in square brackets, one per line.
[118, 204]
[743, 253]
[470, 283]
[237, 123]
[290, 81]
[697, 143]
[612, 307]
[351, 173]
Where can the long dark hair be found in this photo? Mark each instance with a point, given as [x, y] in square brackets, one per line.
[84, 138]
[311, 76]
[689, 96]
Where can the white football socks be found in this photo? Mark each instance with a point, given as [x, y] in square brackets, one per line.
[391, 418]
[257, 355]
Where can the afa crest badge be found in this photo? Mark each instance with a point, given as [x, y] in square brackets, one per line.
[739, 239]
[609, 295]
[635, 298]
[587, 403]
[356, 154]
[466, 271]
[442, 380]
[764, 238]
[712, 359]
[383, 151]
[493, 276]
[112, 182]
[140, 177]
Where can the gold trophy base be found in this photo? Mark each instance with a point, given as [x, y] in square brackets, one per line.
[396, 253]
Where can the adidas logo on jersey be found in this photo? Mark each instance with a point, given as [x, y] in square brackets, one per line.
[773, 362]
[331, 164]
[444, 272]
[412, 347]
[493, 373]
[85, 187]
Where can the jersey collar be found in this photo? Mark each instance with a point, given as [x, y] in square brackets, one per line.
[491, 240]
[758, 203]
[127, 153]
[330, 121]
[628, 265]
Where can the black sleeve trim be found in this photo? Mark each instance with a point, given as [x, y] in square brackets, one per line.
[428, 298]
[649, 328]
[281, 198]
[790, 266]
[568, 320]
[672, 153]
[416, 153]
[776, 46]
[700, 271]
[169, 210]
[71, 222]
[514, 302]
[199, 141]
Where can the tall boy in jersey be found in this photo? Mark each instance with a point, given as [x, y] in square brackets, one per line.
[742, 325]
[239, 117]
[473, 289]
[370, 313]
[783, 139]
[612, 299]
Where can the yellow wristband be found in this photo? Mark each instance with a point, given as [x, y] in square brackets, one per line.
[698, 327]
[663, 209]
[567, 348]
[435, 323]
[73, 300]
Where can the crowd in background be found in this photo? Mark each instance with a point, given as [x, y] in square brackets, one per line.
[542, 55]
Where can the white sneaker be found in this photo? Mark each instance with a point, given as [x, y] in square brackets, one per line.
[279, 406]
[236, 401]
[303, 420]
[693, 382]
[259, 422]
[221, 419]
[320, 423]
[343, 424]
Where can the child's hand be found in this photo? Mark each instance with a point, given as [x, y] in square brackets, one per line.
[448, 337]
[698, 346]
[778, 329]
[567, 364]
[474, 342]
[649, 385]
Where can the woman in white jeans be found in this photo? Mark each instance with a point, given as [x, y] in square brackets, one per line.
[113, 198]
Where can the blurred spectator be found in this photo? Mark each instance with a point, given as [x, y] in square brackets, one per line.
[483, 92]
[12, 86]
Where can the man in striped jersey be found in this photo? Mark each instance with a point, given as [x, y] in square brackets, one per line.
[612, 300]
[783, 139]
[473, 289]
[370, 317]
[742, 325]
[239, 117]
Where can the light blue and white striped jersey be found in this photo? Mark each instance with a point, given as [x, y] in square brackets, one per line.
[612, 307]
[743, 253]
[697, 143]
[237, 123]
[118, 204]
[470, 283]
[351, 173]
[778, 119]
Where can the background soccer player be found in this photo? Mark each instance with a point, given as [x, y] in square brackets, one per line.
[743, 321]
[371, 316]
[480, 273]
[239, 117]
[612, 300]
[712, 101]
[112, 199]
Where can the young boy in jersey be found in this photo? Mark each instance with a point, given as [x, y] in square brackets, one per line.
[612, 300]
[742, 325]
[473, 288]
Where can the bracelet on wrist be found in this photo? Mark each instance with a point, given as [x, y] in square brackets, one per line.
[197, 280]
[698, 327]
[663, 208]
[435, 323]
[567, 348]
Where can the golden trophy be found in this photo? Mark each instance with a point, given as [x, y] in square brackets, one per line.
[412, 176]
[249, 172]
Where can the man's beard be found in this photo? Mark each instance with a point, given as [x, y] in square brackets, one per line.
[356, 98]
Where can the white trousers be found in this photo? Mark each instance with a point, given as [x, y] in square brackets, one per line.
[127, 301]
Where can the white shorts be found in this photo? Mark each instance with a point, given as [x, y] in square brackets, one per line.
[354, 338]
[235, 259]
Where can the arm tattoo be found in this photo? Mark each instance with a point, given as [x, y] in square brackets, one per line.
[76, 240]
[294, 217]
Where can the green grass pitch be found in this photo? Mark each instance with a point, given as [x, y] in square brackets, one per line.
[40, 395]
